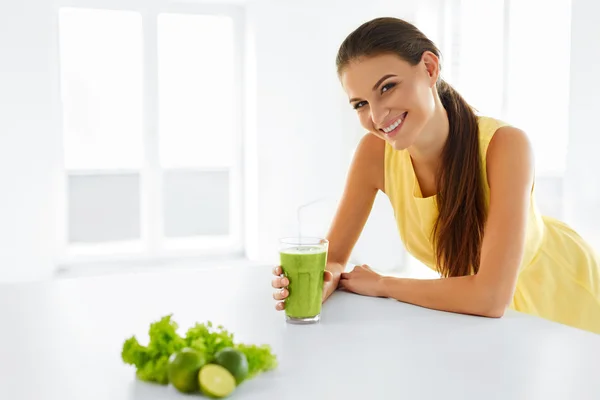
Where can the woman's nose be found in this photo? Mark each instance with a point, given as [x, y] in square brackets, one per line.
[378, 115]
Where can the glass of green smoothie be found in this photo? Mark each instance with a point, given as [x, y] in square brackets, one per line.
[303, 262]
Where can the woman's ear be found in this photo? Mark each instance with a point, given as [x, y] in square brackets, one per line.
[431, 63]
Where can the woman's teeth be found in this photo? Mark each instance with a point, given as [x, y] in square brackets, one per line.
[392, 126]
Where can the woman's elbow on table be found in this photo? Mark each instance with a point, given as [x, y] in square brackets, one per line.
[494, 312]
[493, 302]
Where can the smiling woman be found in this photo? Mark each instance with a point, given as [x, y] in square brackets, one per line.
[426, 129]
[462, 189]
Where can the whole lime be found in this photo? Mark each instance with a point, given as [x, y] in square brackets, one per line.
[233, 361]
[183, 369]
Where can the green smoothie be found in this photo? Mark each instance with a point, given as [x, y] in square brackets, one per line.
[304, 267]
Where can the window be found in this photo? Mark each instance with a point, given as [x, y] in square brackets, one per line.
[152, 131]
[510, 60]
[479, 56]
[198, 125]
[538, 78]
[197, 121]
[101, 79]
[500, 65]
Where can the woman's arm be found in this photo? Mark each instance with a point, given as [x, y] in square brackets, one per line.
[365, 179]
[510, 169]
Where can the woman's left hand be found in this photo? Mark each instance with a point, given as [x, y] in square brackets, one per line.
[362, 280]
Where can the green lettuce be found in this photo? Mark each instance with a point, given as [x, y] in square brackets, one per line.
[208, 341]
[260, 358]
[151, 361]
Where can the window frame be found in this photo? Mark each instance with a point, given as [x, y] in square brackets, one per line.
[153, 244]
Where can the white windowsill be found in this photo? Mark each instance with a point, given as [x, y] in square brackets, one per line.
[150, 265]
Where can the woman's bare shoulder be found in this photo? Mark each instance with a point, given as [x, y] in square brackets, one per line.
[370, 155]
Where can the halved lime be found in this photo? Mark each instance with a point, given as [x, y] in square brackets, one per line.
[216, 381]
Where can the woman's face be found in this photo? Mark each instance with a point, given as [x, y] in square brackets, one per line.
[393, 99]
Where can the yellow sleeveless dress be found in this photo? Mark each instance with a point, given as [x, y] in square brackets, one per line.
[559, 278]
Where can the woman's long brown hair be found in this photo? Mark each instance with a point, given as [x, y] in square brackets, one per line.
[458, 230]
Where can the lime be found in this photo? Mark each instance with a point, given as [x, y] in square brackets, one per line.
[216, 381]
[233, 361]
[183, 369]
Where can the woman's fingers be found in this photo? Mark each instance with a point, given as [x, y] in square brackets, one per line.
[280, 294]
[279, 283]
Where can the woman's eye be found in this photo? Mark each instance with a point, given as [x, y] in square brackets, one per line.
[387, 87]
[359, 104]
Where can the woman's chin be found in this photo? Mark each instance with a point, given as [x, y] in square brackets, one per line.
[399, 143]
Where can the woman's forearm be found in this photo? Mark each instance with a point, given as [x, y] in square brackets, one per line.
[463, 294]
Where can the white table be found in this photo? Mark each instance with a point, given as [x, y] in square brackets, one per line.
[62, 340]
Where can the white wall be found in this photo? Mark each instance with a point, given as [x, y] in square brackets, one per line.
[304, 126]
[583, 159]
[29, 140]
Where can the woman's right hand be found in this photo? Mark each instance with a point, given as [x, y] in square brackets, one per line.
[280, 282]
